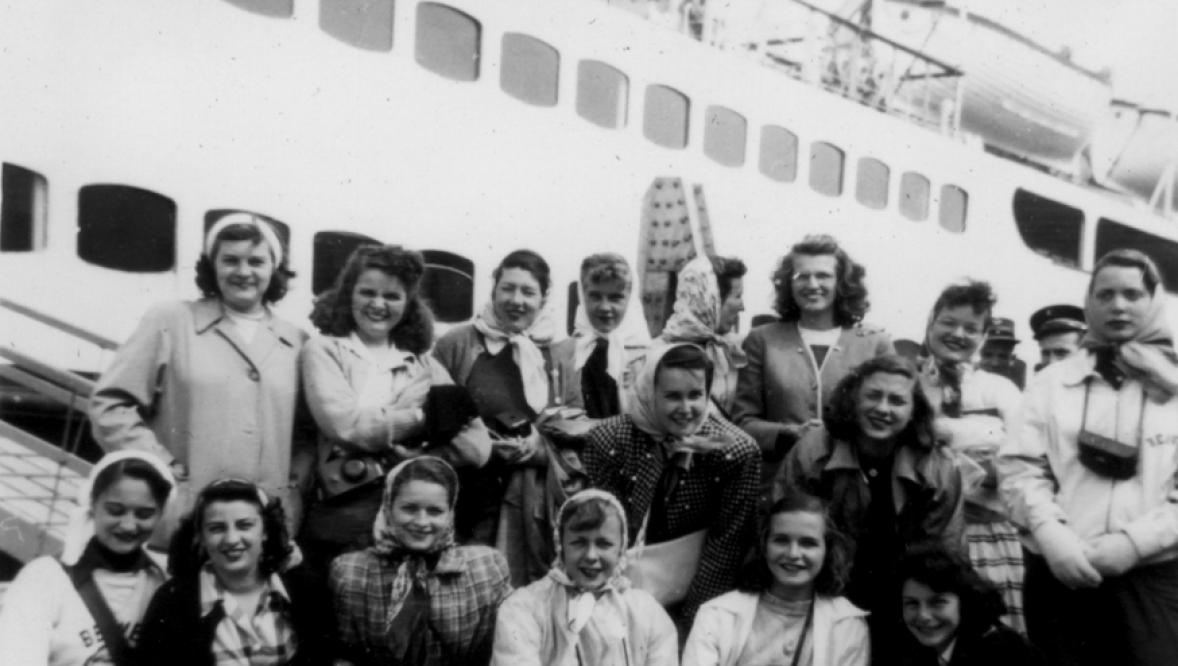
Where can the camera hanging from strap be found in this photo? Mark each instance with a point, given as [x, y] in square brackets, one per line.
[1106, 456]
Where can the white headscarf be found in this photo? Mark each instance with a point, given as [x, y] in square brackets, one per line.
[80, 528]
[524, 349]
[585, 339]
[641, 404]
[582, 602]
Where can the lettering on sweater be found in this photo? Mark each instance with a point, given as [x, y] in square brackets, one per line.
[1161, 440]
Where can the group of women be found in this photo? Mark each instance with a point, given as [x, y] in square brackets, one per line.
[374, 496]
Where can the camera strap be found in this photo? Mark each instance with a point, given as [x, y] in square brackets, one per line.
[1117, 419]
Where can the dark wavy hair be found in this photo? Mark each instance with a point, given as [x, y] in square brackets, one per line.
[332, 313]
[754, 575]
[930, 564]
[727, 269]
[185, 554]
[977, 294]
[528, 261]
[1128, 258]
[850, 295]
[132, 468]
[206, 272]
[841, 420]
[686, 357]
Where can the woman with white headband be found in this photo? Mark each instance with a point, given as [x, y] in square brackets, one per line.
[87, 607]
[584, 612]
[212, 385]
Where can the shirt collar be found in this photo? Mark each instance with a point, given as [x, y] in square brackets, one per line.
[213, 593]
[843, 456]
[208, 312]
[396, 359]
[1078, 368]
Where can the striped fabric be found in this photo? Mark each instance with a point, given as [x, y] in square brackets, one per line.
[997, 555]
[266, 639]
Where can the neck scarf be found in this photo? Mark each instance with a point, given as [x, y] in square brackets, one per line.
[943, 374]
[1155, 331]
[697, 317]
[585, 341]
[407, 620]
[582, 602]
[524, 350]
[80, 528]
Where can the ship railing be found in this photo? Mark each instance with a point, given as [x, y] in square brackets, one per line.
[838, 54]
[39, 479]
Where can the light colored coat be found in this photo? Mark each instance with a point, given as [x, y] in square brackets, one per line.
[1042, 478]
[724, 624]
[185, 387]
[532, 630]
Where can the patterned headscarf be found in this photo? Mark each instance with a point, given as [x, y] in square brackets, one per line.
[696, 318]
[582, 602]
[641, 405]
[80, 527]
[412, 565]
[524, 349]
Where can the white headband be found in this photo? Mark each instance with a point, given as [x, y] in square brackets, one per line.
[247, 220]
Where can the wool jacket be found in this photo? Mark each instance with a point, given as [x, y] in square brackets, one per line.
[782, 387]
[185, 387]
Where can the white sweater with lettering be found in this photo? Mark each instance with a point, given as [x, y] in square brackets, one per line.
[44, 622]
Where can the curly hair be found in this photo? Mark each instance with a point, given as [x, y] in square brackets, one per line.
[526, 260]
[754, 575]
[841, 418]
[850, 294]
[942, 571]
[1127, 258]
[605, 267]
[727, 269]
[186, 555]
[332, 312]
[977, 294]
[206, 271]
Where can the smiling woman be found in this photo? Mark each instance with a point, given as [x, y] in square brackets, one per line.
[416, 597]
[211, 386]
[369, 380]
[234, 595]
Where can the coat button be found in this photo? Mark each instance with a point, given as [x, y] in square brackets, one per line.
[253, 375]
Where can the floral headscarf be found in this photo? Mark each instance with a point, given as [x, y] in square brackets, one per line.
[696, 318]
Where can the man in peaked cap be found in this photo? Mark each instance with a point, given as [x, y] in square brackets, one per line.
[998, 352]
[1057, 329]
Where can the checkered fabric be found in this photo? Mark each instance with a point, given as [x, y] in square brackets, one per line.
[465, 588]
[266, 639]
[718, 492]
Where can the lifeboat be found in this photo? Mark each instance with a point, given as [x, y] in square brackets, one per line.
[1020, 98]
